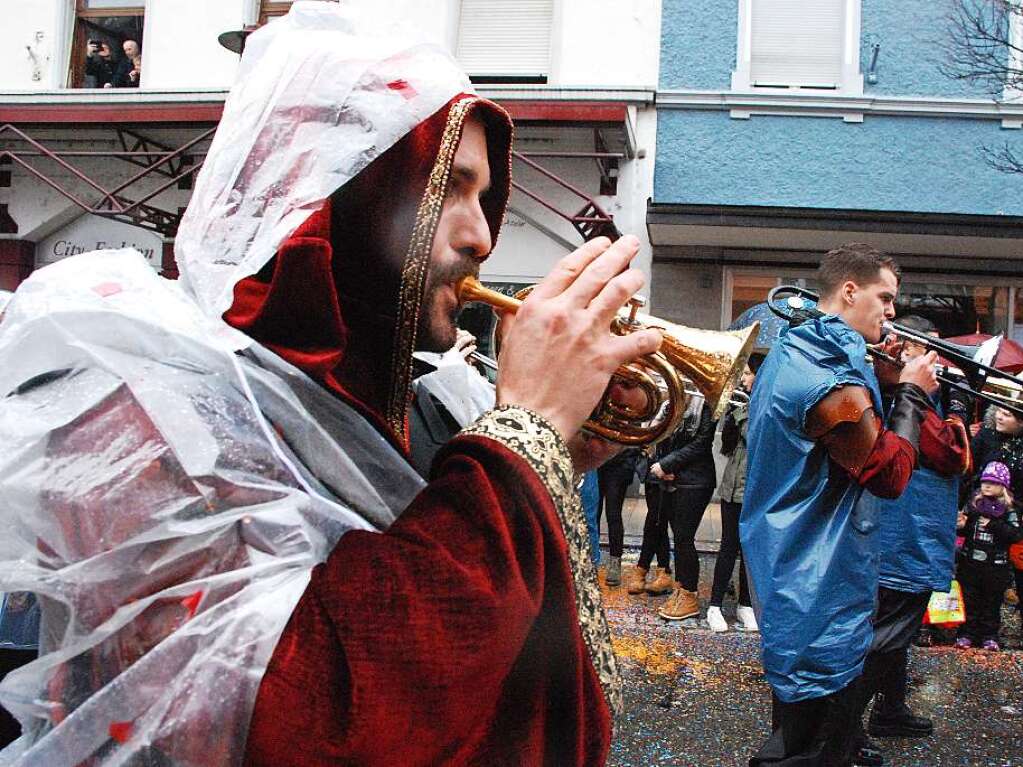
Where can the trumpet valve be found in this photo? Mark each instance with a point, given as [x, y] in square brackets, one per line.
[635, 304]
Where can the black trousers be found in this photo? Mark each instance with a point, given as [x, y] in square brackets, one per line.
[820, 732]
[984, 588]
[898, 617]
[655, 527]
[727, 555]
[614, 481]
[688, 505]
[10, 730]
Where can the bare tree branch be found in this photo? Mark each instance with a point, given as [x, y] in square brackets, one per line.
[980, 47]
[1003, 158]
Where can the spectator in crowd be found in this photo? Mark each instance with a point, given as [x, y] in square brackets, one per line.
[988, 525]
[589, 493]
[733, 483]
[614, 477]
[1001, 439]
[129, 69]
[19, 645]
[655, 538]
[684, 466]
[99, 65]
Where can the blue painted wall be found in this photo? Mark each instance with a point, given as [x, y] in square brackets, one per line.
[911, 34]
[698, 39]
[885, 163]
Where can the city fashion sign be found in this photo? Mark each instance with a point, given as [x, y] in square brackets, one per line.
[90, 232]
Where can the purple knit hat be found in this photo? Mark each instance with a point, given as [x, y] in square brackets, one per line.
[997, 473]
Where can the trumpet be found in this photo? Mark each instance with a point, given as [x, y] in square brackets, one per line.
[984, 382]
[711, 361]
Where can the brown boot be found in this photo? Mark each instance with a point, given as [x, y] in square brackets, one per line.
[635, 580]
[681, 605]
[662, 582]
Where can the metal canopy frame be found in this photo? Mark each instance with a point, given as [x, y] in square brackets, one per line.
[126, 201]
[130, 201]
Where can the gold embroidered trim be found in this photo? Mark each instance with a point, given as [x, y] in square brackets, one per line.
[414, 268]
[535, 440]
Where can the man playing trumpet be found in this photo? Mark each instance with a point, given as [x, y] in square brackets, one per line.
[229, 514]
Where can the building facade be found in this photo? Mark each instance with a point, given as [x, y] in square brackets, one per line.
[786, 128]
[85, 166]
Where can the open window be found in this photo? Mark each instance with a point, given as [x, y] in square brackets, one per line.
[795, 45]
[106, 50]
[505, 41]
[271, 10]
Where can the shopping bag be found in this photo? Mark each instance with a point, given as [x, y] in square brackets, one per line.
[1016, 555]
[946, 608]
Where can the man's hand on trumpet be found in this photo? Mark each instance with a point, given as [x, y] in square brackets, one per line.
[558, 353]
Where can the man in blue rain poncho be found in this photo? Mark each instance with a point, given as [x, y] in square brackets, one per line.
[817, 450]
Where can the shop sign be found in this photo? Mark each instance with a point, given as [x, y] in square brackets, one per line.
[88, 232]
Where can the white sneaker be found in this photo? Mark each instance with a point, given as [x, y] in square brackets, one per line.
[747, 618]
[716, 620]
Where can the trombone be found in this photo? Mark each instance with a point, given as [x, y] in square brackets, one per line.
[986, 383]
[712, 361]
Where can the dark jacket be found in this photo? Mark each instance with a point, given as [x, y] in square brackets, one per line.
[688, 452]
[100, 69]
[989, 542]
[122, 72]
[733, 447]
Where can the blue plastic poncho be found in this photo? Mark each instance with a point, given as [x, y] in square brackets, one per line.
[918, 533]
[806, 535]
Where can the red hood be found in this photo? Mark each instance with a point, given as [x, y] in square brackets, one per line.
[341, 298]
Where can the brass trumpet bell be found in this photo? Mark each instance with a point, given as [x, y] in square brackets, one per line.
[711, 360]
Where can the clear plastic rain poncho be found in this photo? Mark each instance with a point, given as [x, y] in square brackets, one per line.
[165, 495]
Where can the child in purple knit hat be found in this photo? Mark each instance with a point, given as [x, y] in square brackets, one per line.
[988, 525]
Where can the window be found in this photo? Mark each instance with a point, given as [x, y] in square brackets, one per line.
[271, 10]
[956, 309]
[102, 54]
[505, 40]
[792, 44]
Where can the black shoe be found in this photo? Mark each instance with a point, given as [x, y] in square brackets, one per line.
[899, 723]
[868, 754]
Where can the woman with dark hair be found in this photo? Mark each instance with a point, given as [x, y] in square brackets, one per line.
[733, 483]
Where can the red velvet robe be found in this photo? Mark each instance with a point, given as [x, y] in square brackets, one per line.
[451, 639]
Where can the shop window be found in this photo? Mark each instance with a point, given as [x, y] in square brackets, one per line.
[106, 50]
[792, 44]
[956, 310]
[505, 40]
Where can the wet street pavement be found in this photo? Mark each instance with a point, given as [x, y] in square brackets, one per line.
[698, 699]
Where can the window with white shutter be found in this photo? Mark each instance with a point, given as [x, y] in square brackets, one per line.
[505, 40]
[794, 44]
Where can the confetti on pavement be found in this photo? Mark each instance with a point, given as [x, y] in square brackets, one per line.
[698, 699]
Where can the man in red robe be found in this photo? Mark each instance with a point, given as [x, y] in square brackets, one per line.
[468, 630]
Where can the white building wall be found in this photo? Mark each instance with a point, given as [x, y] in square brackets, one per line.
[37, 35]
[180, 48]
[607, 42]
[595, 42]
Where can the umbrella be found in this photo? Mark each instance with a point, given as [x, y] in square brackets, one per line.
[771, 325]
[1009, 356]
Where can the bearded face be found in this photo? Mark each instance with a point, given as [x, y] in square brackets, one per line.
[461, 242]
